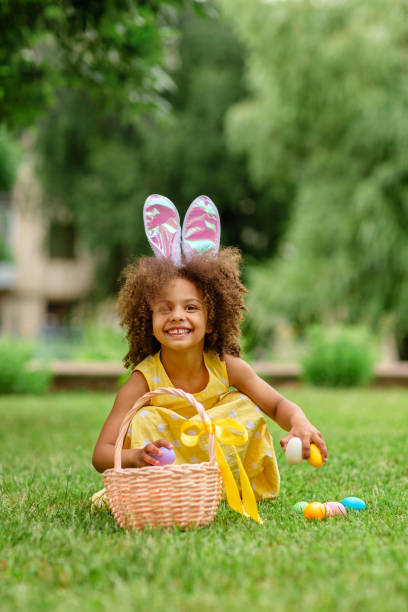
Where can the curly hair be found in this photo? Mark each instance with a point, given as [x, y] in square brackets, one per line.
[218, 280]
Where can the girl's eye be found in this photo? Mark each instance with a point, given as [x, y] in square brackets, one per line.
[191, 307]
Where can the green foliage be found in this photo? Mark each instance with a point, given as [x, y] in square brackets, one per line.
[112, 49]
[338, 357]
[57, 555]
[92, 341]
[324, 127]
[100, 343]
[89, 163]
[9, 158]
[5, 253]
[193, 145]
[59, 346]
[263, 314]
[15, 376]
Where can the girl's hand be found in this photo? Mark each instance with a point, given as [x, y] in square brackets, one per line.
[304, 430]
[143, 456]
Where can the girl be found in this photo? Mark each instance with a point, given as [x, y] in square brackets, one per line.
[182, 315]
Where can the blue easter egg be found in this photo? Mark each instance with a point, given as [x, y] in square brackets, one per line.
[353, 503]
[167, 457]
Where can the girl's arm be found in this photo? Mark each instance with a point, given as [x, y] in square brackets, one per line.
[286, 414]
[103, 455]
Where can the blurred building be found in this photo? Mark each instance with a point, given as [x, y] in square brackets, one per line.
[44, 272]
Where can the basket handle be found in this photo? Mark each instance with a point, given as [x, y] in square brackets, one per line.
[142, 401]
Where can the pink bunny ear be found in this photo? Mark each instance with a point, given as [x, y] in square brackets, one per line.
[201, 228]
[162, 226]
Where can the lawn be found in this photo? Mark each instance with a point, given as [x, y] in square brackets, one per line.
[56, 555]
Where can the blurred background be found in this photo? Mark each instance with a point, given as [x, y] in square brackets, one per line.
[291, 115]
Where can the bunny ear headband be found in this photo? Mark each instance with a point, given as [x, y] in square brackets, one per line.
[201, 228]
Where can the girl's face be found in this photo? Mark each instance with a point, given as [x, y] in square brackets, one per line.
[179, 315]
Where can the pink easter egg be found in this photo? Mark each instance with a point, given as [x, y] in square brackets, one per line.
[167, 457]
[334, 508]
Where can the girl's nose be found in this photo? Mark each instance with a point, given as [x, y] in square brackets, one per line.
[177, 314]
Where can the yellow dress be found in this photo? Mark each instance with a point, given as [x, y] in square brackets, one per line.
[163, 418]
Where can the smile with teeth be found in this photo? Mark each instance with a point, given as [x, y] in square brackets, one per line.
[178, 331]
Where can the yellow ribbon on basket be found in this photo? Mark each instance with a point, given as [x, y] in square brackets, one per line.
[221, 428]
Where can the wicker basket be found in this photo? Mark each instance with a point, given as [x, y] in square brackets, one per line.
[162, 496]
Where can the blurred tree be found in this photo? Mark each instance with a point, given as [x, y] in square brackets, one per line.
[102, 167]
[326, 127]
[9, 156]
[191, 144]
[99, 60]
[113, 49]
[89, 165]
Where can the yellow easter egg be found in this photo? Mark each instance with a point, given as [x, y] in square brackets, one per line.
[315, 510]
[315, 458]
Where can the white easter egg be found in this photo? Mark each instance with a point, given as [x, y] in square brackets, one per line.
[293, 451]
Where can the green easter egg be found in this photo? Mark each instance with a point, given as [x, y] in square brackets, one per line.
[299, 507]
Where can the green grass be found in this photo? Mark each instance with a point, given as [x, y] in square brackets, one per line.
[56, 555]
